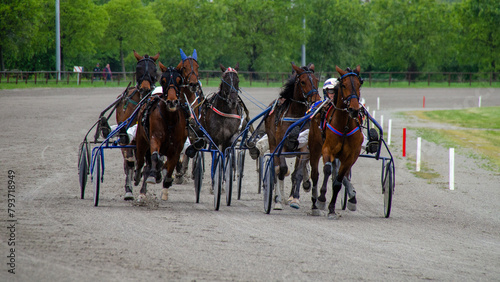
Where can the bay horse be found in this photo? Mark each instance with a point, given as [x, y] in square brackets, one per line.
[337, 135]
[297, 95]
[221, 113]
[161, 132]
[191, 93]
[146, 75]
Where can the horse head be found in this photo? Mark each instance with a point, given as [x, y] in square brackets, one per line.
[349, 90]
[170, 81]
[145, 72]
[229, 86]
[189, 69]
[306, 84]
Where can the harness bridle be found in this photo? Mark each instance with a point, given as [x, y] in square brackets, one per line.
[306, 96]
[192, 72]
[171, 74]
[147, 75]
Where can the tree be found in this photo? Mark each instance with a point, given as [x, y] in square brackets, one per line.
[408, 35]
[82, 28]
[480, 34]
[19, 29]
[131, 26]
[338, 32]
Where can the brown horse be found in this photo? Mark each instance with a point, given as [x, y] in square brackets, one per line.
[161, 132]
[221, 114]
[146, 73]
[191, 93]
[297, 95]
[340, 128]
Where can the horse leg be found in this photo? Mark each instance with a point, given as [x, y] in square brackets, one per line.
[282, 170]
[337, 184]
[129, 171]
[351, 193]
[181, 169]
[168, 180]
[298, 176]
[155, 171]
[327, 171]
[144, 188]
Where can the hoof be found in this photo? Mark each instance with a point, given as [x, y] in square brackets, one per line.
[306, 186]
[141, 198]
[290, 199]
[179, 179]
[164, 194]
[321, 205]
[315, 212]
[351, 204]
[295, 203]
[254, 153]
[151, 180]
[128, 196]
[334, 216]
[278, 206]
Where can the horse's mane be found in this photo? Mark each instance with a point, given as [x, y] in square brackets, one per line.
[289, 86]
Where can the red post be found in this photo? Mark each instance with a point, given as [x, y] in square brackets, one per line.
[404, 142]
[424, 103]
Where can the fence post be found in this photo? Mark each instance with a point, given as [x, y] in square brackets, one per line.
[67, 78]
[267, 78]
[449, 79]
[26, 80]
[470, 79]
[390, 77]
[17, 78]
[370, 79]
[428, 79]
[35, 77]
[251, 78]
[208, 75]
[8, 77]
[47, 75]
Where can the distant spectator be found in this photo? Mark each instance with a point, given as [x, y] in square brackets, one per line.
[97, 70]
[106, 73]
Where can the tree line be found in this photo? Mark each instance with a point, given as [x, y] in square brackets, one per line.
[380, 35]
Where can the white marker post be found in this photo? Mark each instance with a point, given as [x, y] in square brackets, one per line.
[382, 122]
[378, 103]
[479, 104]
[419, 142]
[373, 115]
[452, 168]
[389, 133]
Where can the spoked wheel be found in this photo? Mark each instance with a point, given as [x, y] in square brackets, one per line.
[83, 167]
[240, 164]
[388, 188]
[268, 185]
[198, 174]
[217, 181]
[343, 197]
[260, 170]
[97, 176]
[228, 174]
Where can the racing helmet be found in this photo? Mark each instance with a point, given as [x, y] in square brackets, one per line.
[329, 84]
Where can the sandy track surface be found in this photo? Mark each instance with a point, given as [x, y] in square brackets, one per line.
[433, 233]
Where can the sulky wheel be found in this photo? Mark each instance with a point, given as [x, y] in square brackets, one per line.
[260, 170]
[228, 174]
[217, 181]
[388, 188]
[240, 164]
[268, 185]
[198, 174]
[97, 176]
[83, 167]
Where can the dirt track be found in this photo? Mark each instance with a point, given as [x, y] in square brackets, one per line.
[433, 233]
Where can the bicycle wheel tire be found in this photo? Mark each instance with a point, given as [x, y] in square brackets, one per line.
[228, 175]
[217, 181]
[97, 177]
[83, 167]
[240, 164]
[268, 185]
[388, 189]
[198, 175]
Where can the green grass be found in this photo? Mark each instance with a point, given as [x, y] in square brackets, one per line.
[479, 131]
[425, 171]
